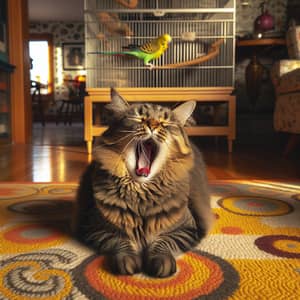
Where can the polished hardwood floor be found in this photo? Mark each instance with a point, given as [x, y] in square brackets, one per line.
[58, 154]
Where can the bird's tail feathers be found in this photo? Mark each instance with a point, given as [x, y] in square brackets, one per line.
[108, 52]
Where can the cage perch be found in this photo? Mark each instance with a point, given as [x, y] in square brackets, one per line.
[212, 52]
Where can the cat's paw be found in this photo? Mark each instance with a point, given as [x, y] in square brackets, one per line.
[162, 265]
[125, 264]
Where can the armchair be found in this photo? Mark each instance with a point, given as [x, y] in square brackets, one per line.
[285, 76]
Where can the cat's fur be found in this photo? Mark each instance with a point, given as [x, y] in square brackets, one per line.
[142, 215]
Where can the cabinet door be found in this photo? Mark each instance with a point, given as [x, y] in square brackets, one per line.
[4, 107]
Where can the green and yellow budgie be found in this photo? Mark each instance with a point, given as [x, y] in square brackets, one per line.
[147, 52]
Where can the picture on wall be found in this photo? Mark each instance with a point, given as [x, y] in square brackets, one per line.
[73, 56]
[3, 41]
[2, 38]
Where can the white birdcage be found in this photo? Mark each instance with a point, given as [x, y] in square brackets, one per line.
[193, 25]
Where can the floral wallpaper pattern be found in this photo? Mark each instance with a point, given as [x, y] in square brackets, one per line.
[62, 33]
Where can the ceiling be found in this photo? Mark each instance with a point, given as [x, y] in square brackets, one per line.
[55, 10]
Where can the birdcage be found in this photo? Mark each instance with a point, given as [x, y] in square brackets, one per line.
[198, 64]
[193, 25]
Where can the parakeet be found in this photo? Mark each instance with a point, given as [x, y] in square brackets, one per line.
[149, 51]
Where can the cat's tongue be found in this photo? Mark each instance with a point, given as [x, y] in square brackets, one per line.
[144, 160]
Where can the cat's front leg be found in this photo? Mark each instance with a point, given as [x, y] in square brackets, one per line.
[159, 260]
[125, 263]
[121, 255]
[122, 258]
[159, 264]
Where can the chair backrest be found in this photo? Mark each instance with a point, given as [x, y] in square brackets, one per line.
[35, 87]
[82, 90]
[293, 41]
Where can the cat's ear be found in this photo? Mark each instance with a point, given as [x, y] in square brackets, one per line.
[118, 104]
[184, 111]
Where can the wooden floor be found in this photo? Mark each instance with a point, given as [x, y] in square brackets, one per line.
[58, 154]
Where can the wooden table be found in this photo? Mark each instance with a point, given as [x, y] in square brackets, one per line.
[213, 94]
[260, 42]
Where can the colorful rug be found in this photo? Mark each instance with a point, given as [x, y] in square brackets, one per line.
[252, 252]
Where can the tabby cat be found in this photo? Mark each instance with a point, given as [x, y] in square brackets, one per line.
[144, 198]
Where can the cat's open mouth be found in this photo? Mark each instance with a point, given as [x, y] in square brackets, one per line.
[146, 152]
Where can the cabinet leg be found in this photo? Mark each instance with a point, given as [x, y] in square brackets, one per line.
[293, 141]
[229, 141]
[89, 147]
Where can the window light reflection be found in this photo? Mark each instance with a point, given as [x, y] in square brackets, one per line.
[42, 171]
[62, 166]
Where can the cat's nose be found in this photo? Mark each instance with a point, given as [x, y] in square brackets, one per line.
[152, 124]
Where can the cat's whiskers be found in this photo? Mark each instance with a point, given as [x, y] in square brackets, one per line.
[119, 139]
[136, 119]
[161, 136]
[126, 131]
[134, 138]
[176, 160]
[169, 123]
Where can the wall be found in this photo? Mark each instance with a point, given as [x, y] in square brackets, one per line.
[62, 32]
[246, 14]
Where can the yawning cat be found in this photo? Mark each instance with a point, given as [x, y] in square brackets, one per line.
[144, 198]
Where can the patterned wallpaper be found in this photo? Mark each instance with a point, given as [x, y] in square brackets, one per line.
[62, 32]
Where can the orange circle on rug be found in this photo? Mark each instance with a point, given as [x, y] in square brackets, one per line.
[26, 237]
[16, 191]
[255, 206]
[197, 275]
[31, 234]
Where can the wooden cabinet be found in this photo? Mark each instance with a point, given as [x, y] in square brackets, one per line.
[5, 70]
[5, 111]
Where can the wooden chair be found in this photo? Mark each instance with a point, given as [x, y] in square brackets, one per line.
[72, 106]
[36, 99]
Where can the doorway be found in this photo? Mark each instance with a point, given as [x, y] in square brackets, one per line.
[52, 29]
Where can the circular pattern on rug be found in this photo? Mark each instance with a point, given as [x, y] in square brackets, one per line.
[60, 189]
[40, 207]
[36, 275]
[26, 237]
[255, 206]
[16, 191]
[280, 245]
[198, 274]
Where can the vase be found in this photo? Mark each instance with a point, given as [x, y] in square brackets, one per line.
[254, 75]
